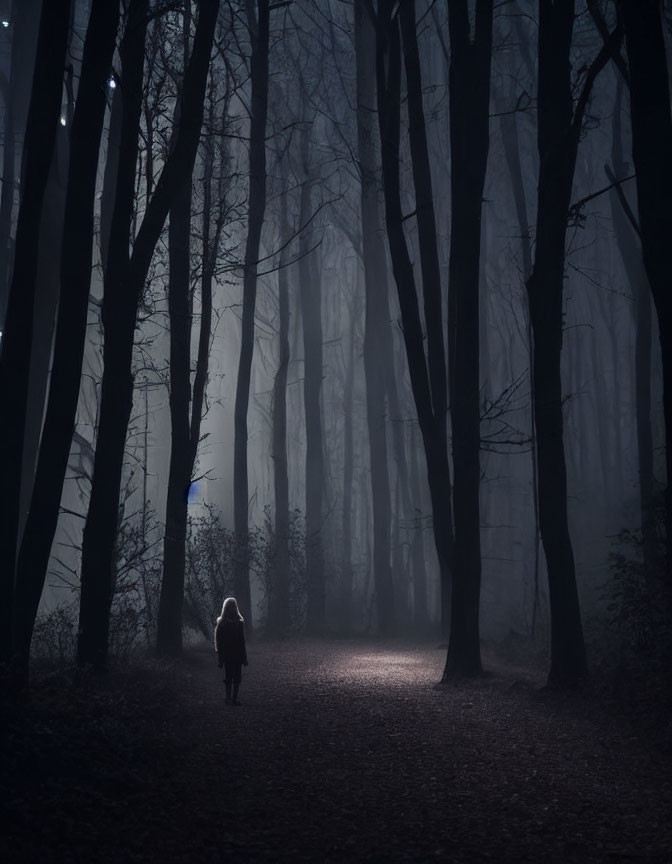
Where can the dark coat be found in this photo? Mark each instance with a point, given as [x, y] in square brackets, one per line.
[230, 642]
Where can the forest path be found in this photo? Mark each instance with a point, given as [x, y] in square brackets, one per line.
[342, 751]
[348, 751]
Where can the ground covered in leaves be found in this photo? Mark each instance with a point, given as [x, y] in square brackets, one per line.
[341, 751]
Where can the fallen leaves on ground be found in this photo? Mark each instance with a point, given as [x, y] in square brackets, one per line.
[342, 751]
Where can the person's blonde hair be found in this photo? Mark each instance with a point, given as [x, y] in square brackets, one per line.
[230, 611]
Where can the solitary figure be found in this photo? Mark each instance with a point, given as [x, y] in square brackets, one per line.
[230, 647]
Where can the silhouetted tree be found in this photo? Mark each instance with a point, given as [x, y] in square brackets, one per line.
[559, 128]
[258, 26]
[428, 374]
[628, 238]
[469, 89]
[278, 605]
[124, 282]
[376, 316]
[16, 96]
[310, 294]
[43, 116]
[651, 149]
[75, 280]
[187, 403]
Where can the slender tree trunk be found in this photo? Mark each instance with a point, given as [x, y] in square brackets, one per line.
[8, 191]
[43, 114]
[431, 281]
[259, 34]
[278, 610]
[469, 141]
[544, 287]
[629, 243]
[311, 319]
[169, 629]
[110, 174]
[16, 92]
[420, 605]
[375, 265]
[348, 473]
[123, 286]
[44, 319]
[428, 379]
[510, 138]
[559, 127]
[651, 149]
[75, 277]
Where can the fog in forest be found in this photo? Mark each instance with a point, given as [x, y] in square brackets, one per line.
[312, 281]
[335, 431]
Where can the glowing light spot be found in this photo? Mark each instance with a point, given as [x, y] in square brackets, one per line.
[63, 120]
[5, 23]
[112, 83]
[193, 492]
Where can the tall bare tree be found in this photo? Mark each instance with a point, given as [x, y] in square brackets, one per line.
[560, 120]
[469, 88]
[376, 316]
[427, 373]
[651, 153]
[75, 279]
[43, 117]
[187, 402]
[124, 281]
[258, 25]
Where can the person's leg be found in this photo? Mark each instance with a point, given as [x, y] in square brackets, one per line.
[237, 677]
[228, 678]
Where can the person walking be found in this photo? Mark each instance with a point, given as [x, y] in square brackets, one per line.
[230, 647]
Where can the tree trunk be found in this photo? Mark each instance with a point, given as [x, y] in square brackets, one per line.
[16, 92]
[110, 174]
[278, 607]
[345, 610]
[311, 319]
[428, 385]
[509, 128]
[44, 319]
[469, 141]
[376, 321]
[628, 241]
[43, 114]
[259, 34]
[420, 610]
[75, 257]
[123, 287]
[169, 625]
[185, 428]
[651, 149]
[559, 127]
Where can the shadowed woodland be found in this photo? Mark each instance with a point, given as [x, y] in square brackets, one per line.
[358, 311]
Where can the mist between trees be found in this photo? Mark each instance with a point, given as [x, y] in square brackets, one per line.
[356, 311]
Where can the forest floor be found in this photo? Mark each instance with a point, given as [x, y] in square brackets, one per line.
[341, 751]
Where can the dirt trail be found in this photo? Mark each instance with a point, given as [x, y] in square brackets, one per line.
[348, 751]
